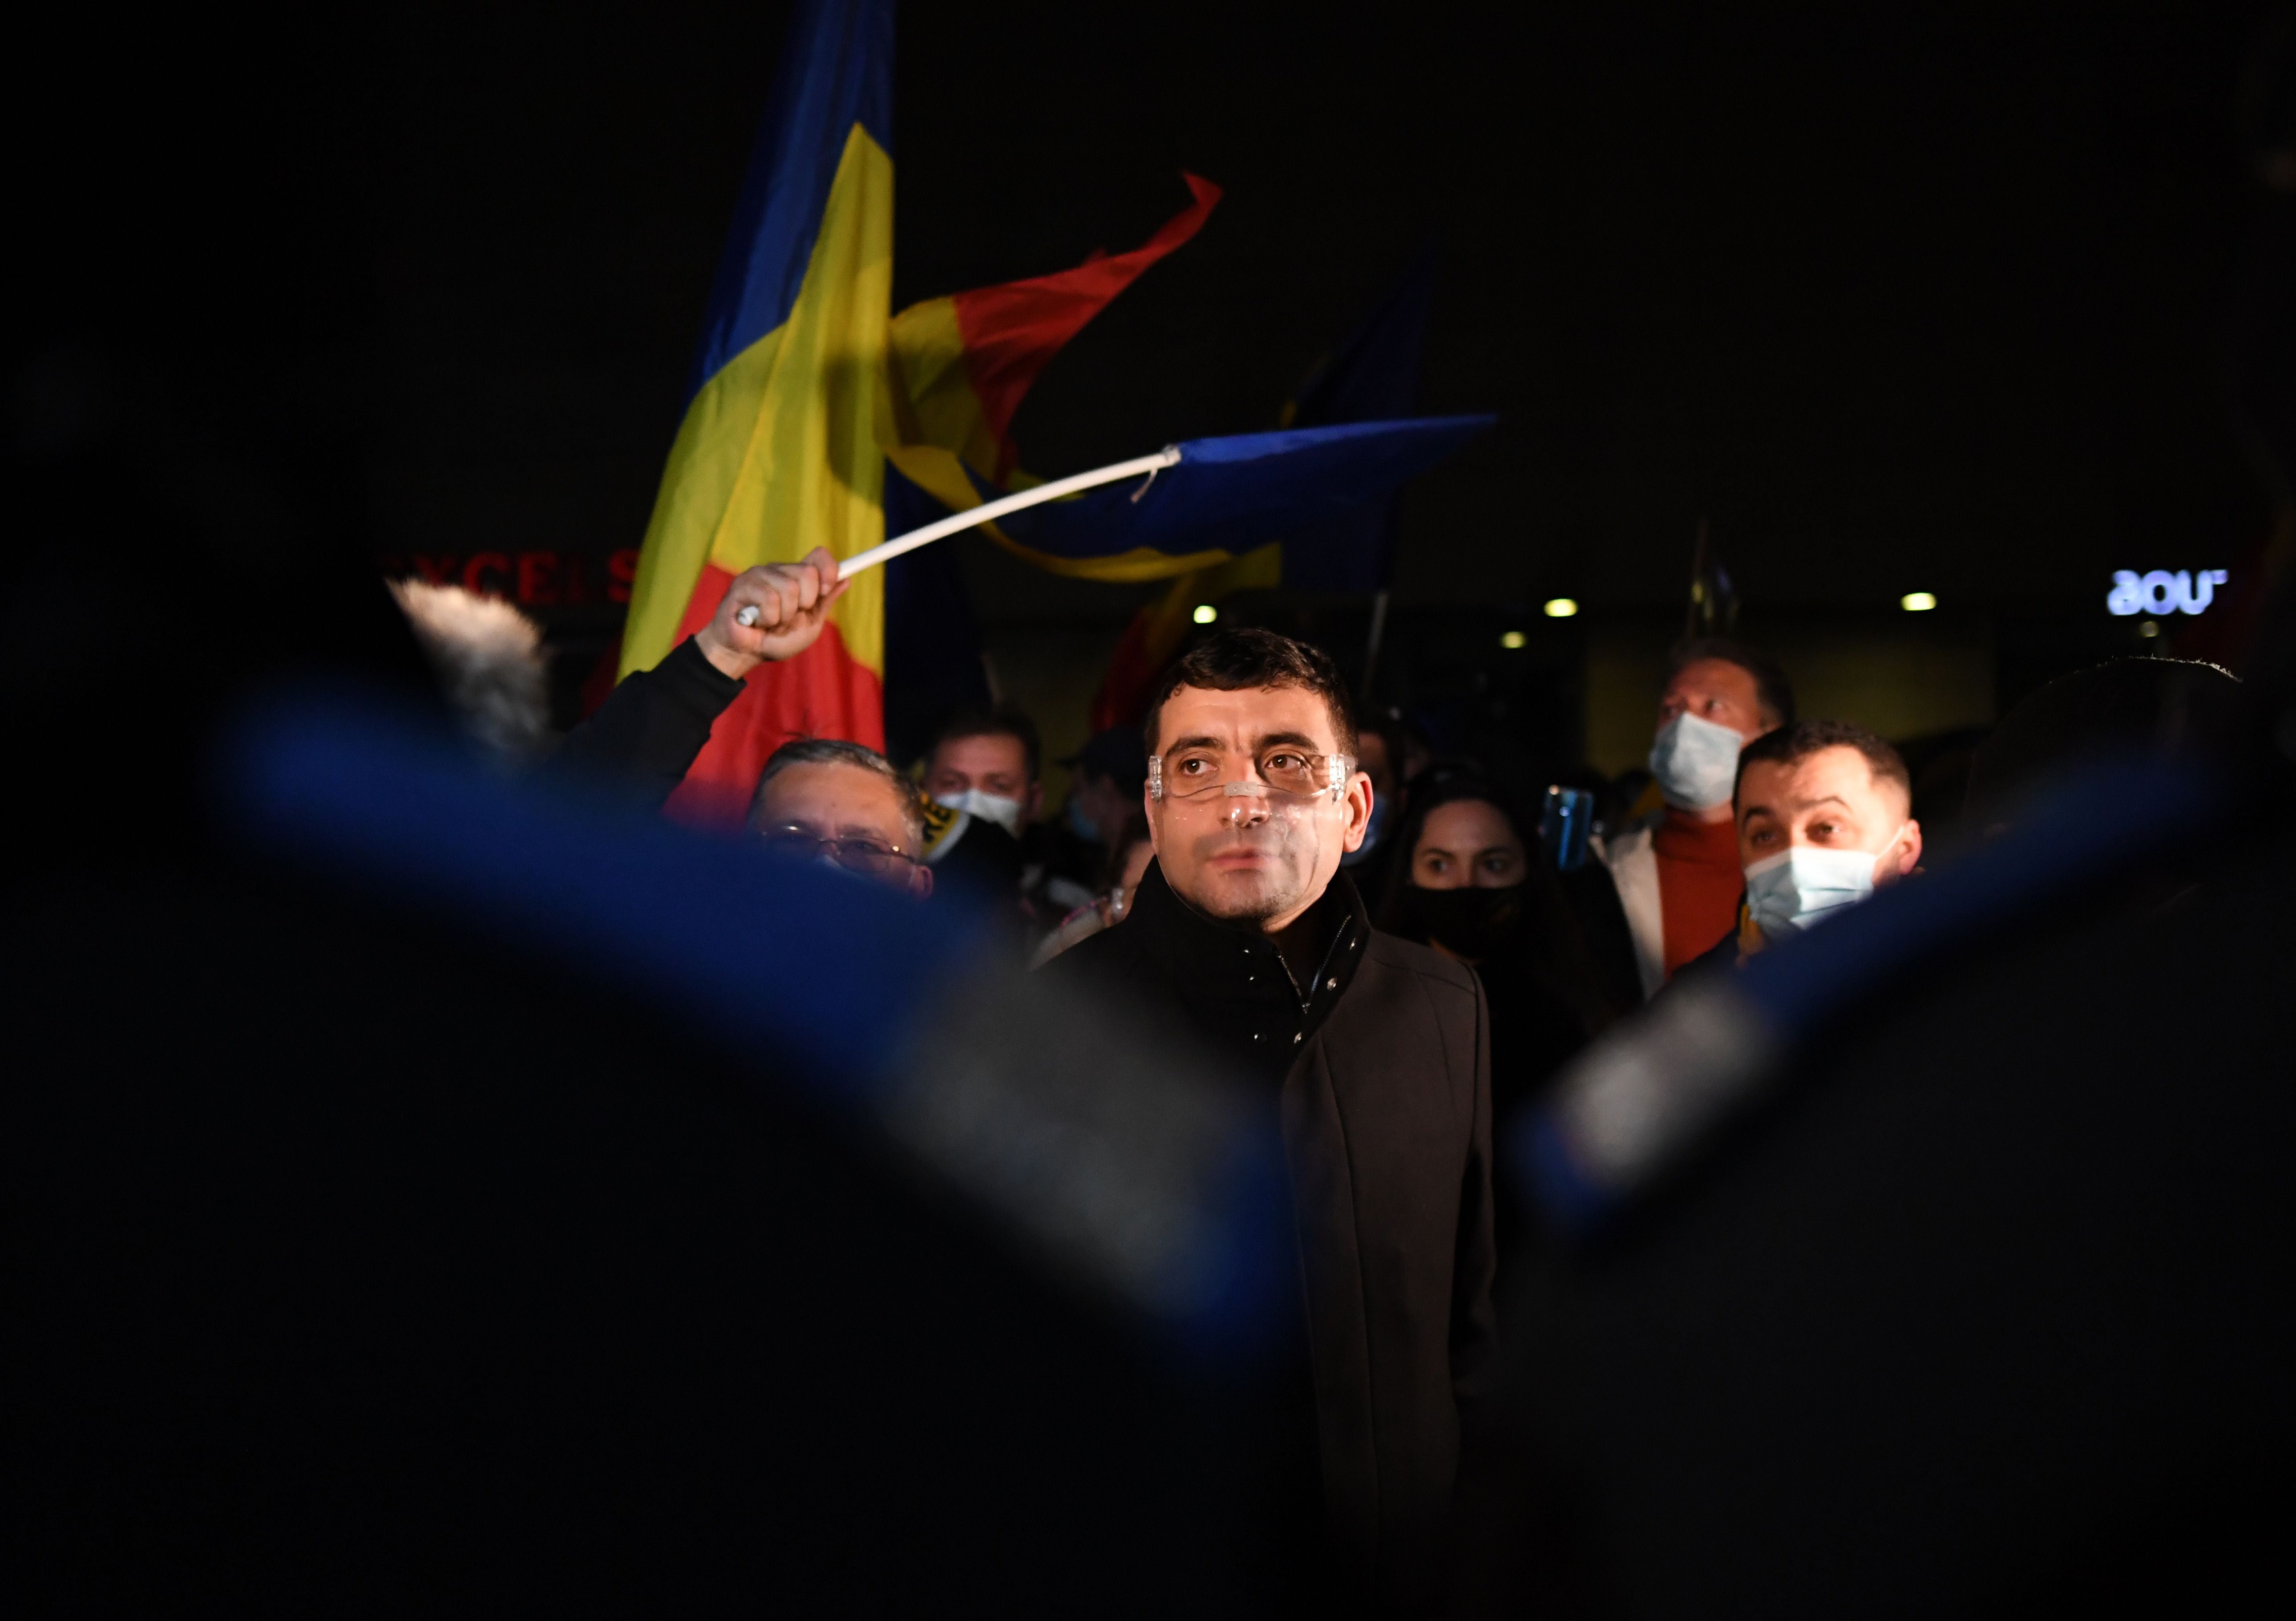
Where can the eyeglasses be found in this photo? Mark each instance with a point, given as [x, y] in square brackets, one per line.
[1198, 773]
[866, 857]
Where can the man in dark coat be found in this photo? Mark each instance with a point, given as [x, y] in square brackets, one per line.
[1246, 934]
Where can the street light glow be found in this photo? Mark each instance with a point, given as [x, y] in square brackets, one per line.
[1917, 602]
[1561, 607]
[1205, 613]
[1513, 639]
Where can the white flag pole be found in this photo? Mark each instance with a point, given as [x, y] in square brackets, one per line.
[988, 513]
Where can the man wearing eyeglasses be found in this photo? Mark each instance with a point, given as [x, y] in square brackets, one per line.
[845, 805]
[838, 803]
[1246, 934]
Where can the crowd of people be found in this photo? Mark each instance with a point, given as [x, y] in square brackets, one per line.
[1386, 941]
[1752, 823]
[469, 1148]
[416, 1163]
[429, 1186]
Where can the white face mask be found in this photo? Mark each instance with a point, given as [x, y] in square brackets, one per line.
[1695, 763]
[988, 807]
[1788, 892]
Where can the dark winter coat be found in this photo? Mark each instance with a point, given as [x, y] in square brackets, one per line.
[647, 735]
[1383, 1068]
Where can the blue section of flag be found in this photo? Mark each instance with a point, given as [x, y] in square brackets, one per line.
[836, 71]
[1373, 377]
[1235, 493]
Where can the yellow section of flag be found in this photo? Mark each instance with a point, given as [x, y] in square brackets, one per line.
[779, 452]
[935, 402]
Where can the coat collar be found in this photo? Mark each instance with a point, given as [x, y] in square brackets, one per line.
[1211, 963]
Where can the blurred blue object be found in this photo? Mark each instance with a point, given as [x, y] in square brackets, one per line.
[1141, 1176]
[820, 974]
[1639, 1101]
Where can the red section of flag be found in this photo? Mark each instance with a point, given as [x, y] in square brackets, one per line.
[823, 692]
[1011, 331]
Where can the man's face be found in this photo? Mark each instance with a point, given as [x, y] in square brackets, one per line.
[866, 815]
[1715, 690]
[1252, 856]
[995, 763]
[1829, 800]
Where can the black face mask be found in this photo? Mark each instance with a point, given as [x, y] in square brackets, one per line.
[1472, 922]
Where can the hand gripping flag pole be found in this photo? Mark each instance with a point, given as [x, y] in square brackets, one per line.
[990, 512]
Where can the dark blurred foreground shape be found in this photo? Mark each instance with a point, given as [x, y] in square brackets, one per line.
[2126, 708]
[430, 1195]
[422, 1193]
[1936, 1263]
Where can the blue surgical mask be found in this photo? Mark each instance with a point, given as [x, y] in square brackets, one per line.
[1695, 763]
[1788, 892]
[988, 807]
[1382, 812]
[1081, 825]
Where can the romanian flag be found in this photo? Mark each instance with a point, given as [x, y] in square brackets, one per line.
[1373, 377]
[1374, 374]
[961, 367]
[965, 363]
[806, 384]
[1223, 505]
[779, 450]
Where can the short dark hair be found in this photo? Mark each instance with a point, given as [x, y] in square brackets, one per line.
[1799, 739]
[1001, 721]
[1773, 693]
[835, 751]
[1231, 661]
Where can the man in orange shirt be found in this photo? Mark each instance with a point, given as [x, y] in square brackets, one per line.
[1677, 871]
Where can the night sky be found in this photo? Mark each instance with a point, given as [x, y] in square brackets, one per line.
[1896, 298]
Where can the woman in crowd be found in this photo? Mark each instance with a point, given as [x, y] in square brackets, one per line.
[1477, 889]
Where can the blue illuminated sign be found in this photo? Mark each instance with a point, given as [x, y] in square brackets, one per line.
[2186, 591]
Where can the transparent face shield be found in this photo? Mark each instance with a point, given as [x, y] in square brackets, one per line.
[1281, 783]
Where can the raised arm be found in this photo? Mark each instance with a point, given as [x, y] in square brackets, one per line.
[645, 737]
